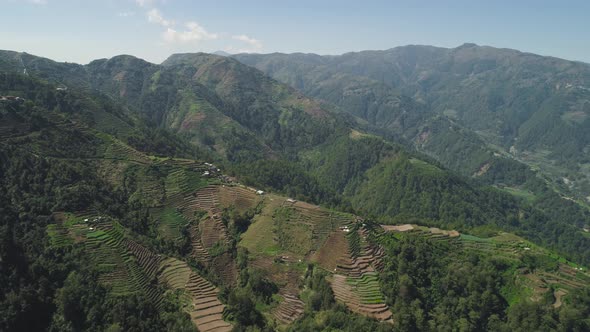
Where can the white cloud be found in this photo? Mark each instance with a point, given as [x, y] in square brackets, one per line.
[38, 2]
[154, 16]
[255, 43]
[193, 33]
[252, 45]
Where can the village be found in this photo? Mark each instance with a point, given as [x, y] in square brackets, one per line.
[11, 99]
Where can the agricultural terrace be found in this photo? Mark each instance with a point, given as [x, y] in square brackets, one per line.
[128, 267]
[537, 271]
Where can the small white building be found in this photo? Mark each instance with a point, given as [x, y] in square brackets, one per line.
[259, 192]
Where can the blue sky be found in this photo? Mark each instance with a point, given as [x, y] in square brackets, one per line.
[80, 31]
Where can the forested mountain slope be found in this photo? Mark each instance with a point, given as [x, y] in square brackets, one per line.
[464, 106]
[272, 136]
[113, 217]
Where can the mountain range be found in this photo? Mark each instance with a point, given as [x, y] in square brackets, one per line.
[465, 106]
[477, 152]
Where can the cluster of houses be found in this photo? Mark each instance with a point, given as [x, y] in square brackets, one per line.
[94, 220]
[11, 99]
[286, 259]
[211, 170]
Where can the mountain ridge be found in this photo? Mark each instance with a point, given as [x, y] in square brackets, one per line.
[215, 83]
[454, 82]
[117, 206]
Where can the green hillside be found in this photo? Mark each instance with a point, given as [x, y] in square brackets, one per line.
[274, 137]
[470, 107]
[120, 211]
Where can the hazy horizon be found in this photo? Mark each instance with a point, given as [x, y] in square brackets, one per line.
[74, 31]
[266, 53]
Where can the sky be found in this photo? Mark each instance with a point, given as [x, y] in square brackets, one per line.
[83, 30]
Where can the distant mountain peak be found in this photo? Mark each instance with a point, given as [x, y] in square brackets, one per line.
[192, 58]
[467, 45]
[222, 53]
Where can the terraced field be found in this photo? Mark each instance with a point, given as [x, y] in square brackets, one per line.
[287, 275]
[435, 234]
[567, 281]
[284, 236]
[361, 295]
[566, 278]
[201, 211]
[288, 233]
[184, 180]
[206, 310]
[204, 307]
[147, 260]
[205, 199]
[290, 308]
[173, 272]
[118, 150]
[124, 272]
[128, 267]
[281, 239]
[199, 252]
[508, 250]
[239, 197]
[59, 235]
[329, 255]
[562, 281]
[303, 228]
[212, 231]
[260, 238]
[171, 222]
[355, 281]
[209, 238]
